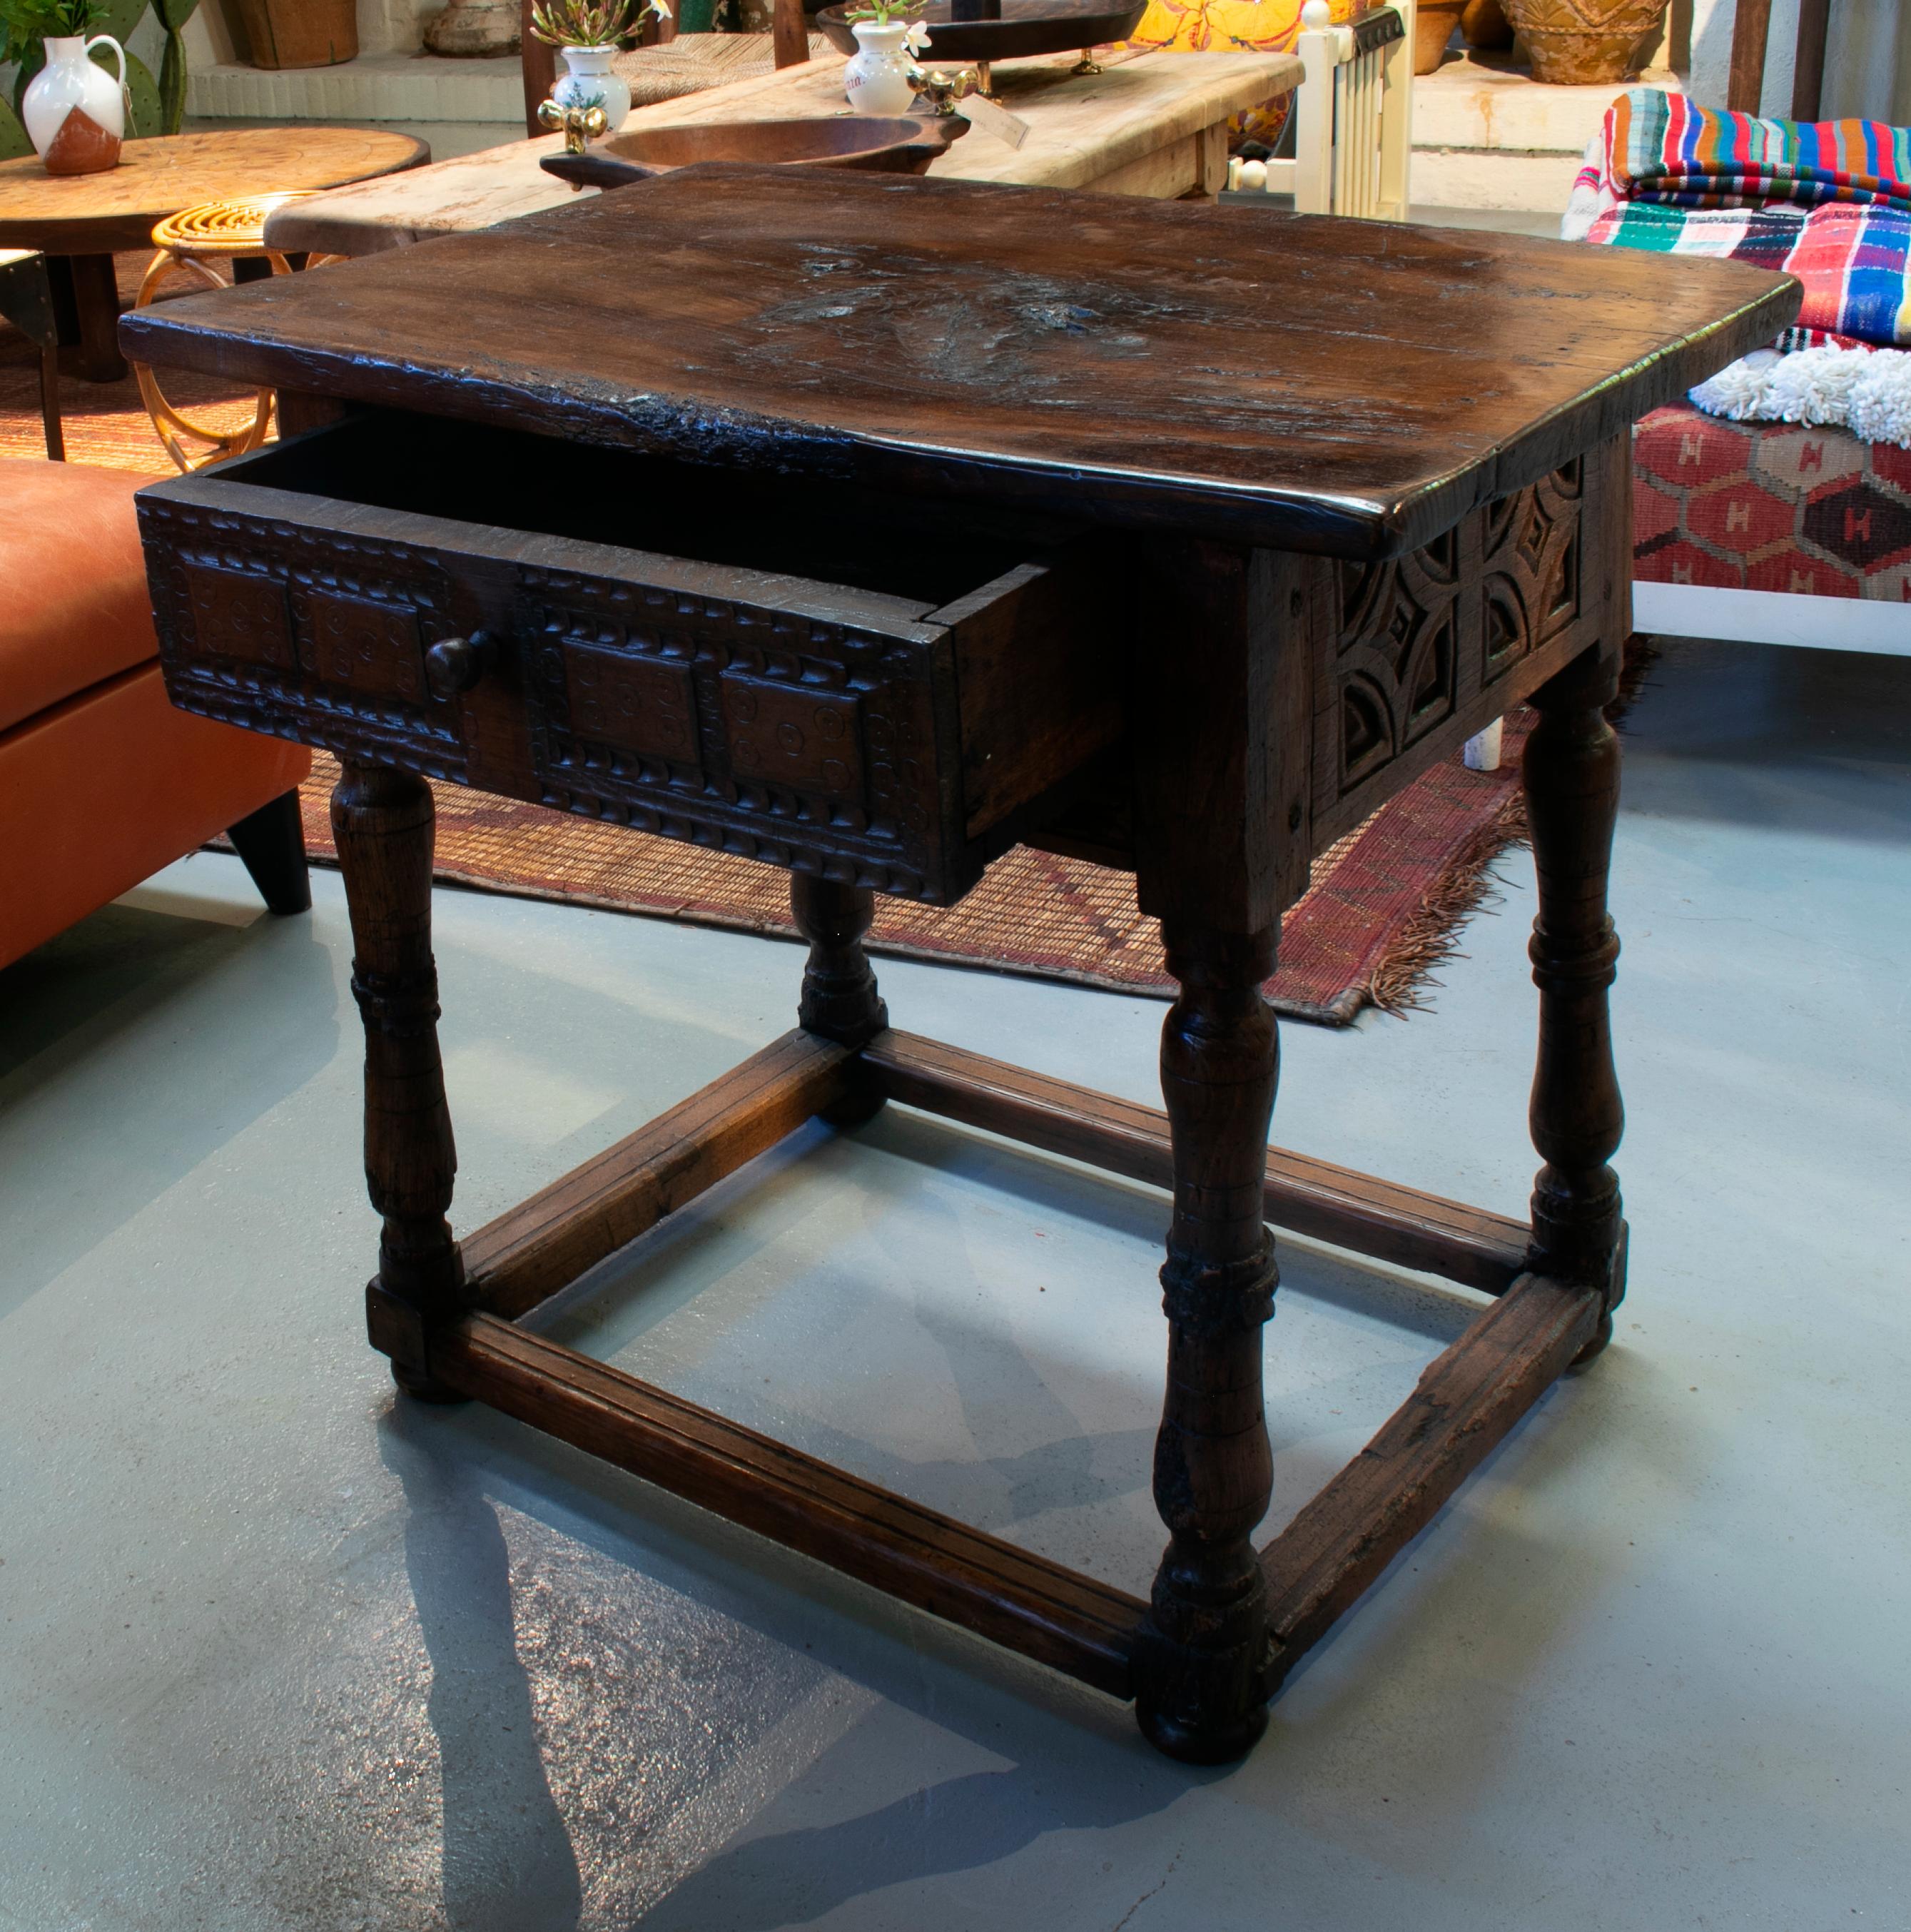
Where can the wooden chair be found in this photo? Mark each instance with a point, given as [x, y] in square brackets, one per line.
[1353, 119]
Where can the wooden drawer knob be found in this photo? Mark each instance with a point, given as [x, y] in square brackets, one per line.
[453, 665]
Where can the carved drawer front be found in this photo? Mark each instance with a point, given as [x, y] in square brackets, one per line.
[814, 733]
[896, 737]
[313, 631]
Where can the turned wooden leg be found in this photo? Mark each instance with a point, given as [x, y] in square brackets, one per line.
[839, 998]
[382, 820]
[1572, 777]
[1198, 1665]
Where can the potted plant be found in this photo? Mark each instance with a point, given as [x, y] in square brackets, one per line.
[877, 78]
[73, 111]
[586, 33]
[151, 107]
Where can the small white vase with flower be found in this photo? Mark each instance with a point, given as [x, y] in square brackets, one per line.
[877, 79]
[587, 34]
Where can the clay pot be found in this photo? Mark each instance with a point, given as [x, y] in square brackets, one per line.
[1433, 24]
[280, 33]
[1585, 43]
[1485, 24]
[474, 30]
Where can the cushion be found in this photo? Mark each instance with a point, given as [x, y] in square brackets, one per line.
[73, 608]
[1235, 26]
[1770, 506]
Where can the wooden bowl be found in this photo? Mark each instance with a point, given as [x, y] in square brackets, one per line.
[998, 30]
[902, 146]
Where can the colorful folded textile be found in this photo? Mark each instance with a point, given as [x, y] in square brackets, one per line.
[1658, 147]
[1853, 261]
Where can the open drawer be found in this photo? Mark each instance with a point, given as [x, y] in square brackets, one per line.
[890, 692]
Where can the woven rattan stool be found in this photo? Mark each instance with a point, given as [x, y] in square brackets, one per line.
[191, 242]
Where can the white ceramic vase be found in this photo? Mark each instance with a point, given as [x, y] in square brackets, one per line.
[74, 111]
[588, 81]
[877, 78]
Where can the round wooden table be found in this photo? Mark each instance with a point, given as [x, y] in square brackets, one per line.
[80, 221]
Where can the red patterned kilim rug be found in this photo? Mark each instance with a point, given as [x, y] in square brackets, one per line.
[1381, 912]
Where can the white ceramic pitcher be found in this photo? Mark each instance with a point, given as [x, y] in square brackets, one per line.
[74, 111]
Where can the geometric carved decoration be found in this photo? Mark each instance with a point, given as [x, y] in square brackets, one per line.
[640, 704]
[1530, 576]
[240, 615]
[364, 645]
[1422, 634]
[793, 735]
[1397, 663]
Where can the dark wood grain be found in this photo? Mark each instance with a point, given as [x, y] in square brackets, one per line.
[1001, 30]
[1571, 769]
[726, 695]
[1310, 1197]
[381, 824]
[789, 32]
[1007, 1594]
[540, 70]
[1198, 1666]
[1008, 342]
[874, 527]
[1744, 87]
[1219, 746]
[543, 1244]
[1338, 1545]
[1808, 67]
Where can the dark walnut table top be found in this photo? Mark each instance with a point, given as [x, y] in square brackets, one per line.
[1346, 387]
[116, 209]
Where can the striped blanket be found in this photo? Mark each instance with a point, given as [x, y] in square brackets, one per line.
[1853, 261]
[1828, 202]
[1661, 148]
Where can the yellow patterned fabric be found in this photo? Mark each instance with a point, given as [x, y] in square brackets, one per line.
[1235, 26]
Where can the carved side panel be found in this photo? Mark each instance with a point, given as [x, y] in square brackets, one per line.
[802, 742]
[1530, 570]
[1398, 661]
[310, 633]
[1423, 637]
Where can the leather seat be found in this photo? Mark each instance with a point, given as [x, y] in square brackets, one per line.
[101, 781]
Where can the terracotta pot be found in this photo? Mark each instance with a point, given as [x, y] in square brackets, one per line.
[1585, 43]
[1433, 24]
[1485, 24]
[297, 33]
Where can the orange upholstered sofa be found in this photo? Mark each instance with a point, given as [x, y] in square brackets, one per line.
[101, 781]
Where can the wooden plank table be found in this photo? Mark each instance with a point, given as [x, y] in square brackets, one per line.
[970, 515]
[1151, 124]
[79, 222]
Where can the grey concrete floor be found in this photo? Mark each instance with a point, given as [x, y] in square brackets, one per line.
[281, 1651]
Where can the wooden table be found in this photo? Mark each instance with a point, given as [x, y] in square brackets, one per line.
[970, 515]
[1150, 124]
[79, 221]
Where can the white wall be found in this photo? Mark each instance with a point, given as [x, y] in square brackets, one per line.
[1867, 64]
[394, 26]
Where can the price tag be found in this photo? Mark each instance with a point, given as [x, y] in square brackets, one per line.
[991, 118]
